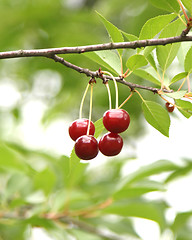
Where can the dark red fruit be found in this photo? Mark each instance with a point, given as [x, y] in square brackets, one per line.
[169, 108]
[79, 127]
[116, 120]
[86, 147]
[111, 144]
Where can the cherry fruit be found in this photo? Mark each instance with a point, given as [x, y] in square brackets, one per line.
[169, 108]
[111, 144]
[79, 127]
[86, 147]
[116, 120]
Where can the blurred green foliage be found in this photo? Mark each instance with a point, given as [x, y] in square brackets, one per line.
[36, 183]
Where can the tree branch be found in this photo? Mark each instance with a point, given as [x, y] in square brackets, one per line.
[95, 74]
[90, 48]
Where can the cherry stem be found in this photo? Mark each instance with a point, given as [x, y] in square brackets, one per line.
[116, 88]
[126, 100]
[82, 101]
[169, 102]
[90, 108]
[140, 95]
[109, 94]
[182, 84]
[183, 10]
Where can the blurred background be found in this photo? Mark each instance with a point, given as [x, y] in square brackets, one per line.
[39, 98]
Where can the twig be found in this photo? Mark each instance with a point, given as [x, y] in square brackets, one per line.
[95, 74]
[90, 48]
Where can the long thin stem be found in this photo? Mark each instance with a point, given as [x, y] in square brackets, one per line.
[183, 10]
[90, 108]
[116, 88]
[140, 95]
[109, 94]
[82, 101]
[126, 100]
[182, 84]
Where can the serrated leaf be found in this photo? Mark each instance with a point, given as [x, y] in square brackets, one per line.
[114, 33]
[176, 95]
[188, 62]
[178, 77]
[130, 37]
[154, 25]
[112, 59]
[188, 5]
[147, 76]
[151, 60]
[138, 208]
[136, 61]
[168, 5]
[185, 107]
[156, 116]
[96, 58]
[166, 54]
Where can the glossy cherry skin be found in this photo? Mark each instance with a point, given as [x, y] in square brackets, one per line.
[111, 144]
[86, 147]
[169, 108]
[116, 120]
[79, 127]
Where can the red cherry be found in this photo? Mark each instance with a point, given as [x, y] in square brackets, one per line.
[79, 127]
[111, 144]
[116, 120]
[86, 147]
[169, 108]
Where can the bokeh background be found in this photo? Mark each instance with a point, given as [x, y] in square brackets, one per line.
[39, 98]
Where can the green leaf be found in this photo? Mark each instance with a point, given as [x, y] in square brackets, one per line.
[45, 180]
[180, 220]
[168, 5]
[151, 60]
[94, 56]
[166, 54]
[99, 127]
[136, 61]
[112, 59]
[137, 189]
[154, 25]
[176, 95]
[146, 171]
[11, 160]
[188, 5]
[130, 37]
[146, 75]
[136, 208]
[188, 62]
[178, 77]
[157, 116]
[180, 172]
[185, 107]
[114, 33]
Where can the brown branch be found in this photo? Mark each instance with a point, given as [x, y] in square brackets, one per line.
[95, 74]
[90, 48]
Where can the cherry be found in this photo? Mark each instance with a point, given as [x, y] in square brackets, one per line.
[79, 128]
[111, 144]
[169, 108]
[86, 147]
[116, 120]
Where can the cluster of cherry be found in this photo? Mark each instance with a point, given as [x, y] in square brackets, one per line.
[86, 146]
